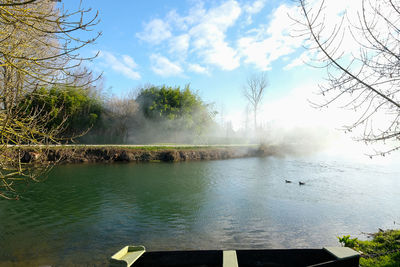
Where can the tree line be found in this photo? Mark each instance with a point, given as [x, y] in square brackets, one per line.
[152, 114]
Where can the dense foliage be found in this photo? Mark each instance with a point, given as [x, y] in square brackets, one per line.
[382, 250]
[175, 109]
[72, 107]
[167, 102]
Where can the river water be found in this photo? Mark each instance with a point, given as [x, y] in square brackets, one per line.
[84, 213]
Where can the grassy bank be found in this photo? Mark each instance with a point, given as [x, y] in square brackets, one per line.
[382, 250]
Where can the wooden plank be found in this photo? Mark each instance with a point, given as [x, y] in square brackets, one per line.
[229, 259]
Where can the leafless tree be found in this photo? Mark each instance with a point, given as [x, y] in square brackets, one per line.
[366, 79]
[39, 47]
[123, 113]
[254, 91]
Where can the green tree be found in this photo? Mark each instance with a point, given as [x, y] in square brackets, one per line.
[70, 106]
[177, 110]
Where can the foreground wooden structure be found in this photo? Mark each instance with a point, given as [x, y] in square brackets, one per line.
[329, 256]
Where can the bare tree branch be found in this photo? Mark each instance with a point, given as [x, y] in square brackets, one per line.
[369, 78]
[37, 50]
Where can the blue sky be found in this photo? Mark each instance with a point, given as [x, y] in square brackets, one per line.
[213, 45]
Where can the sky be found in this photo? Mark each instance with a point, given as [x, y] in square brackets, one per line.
[211, 45]
[215, 45]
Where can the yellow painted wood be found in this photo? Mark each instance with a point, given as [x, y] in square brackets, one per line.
[229, 259]
[127, 256]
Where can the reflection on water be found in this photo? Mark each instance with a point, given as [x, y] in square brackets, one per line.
[84, 213]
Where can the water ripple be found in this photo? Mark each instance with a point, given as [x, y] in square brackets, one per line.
[84, 213]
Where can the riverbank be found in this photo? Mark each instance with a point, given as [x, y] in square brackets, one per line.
[131, 153]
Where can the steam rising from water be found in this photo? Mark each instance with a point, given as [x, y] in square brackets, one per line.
[293, 127]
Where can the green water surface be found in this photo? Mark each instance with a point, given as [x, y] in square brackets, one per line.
[82, 214]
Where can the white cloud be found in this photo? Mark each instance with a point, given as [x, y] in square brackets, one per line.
[197, 68]
[210, 33]
[253, 8]
[164, 67]
[269, 43]
[155, 32]
[129, 61]
[299, 61]
[125, 66]
[201, 33]
[184, 22]
[179, 45]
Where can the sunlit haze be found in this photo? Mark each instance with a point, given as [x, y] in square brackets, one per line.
[214, 46]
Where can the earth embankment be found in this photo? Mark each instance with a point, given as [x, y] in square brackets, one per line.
[109, 154]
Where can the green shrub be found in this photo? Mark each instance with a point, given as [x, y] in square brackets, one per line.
[382, 250]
